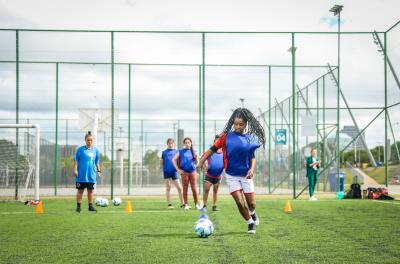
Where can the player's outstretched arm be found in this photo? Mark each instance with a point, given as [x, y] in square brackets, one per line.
[203, 159]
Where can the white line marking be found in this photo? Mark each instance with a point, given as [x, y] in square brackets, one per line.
[9, 213]
[396, 203]
[101, 212]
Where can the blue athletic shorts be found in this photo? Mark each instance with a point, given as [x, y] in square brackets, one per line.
[173, 176]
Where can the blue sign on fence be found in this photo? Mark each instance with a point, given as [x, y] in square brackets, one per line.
[280, 136]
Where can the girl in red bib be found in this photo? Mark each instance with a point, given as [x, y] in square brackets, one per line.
[242, 135]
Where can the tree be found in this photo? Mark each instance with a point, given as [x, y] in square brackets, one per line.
[393, 152]
[67, 168]
[362, 156]
[152, 161]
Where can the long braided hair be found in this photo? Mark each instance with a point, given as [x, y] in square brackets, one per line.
[253, 127]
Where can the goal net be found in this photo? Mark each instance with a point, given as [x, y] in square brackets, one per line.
[19, 161]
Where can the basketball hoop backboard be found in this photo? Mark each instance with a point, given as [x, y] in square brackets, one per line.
[90, 117]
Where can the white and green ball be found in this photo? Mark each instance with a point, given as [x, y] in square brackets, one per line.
[100, 201]
[104, 203]
[204, 228]
[116, 201]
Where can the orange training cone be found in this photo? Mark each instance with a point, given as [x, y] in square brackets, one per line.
[128, 207]
[288, 207]
[39, 208]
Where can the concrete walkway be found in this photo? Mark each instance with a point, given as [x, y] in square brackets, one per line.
[368, 181]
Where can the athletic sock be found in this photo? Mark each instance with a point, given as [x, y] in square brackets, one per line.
[78, 205]
[250, 221]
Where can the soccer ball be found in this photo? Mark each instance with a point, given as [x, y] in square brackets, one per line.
[340, 195]
[99, 201]
[203, 227]
[104, 202]
[116, 201]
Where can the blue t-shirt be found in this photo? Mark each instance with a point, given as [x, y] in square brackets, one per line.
[186, 160]
[167, 156]
[240, 150]
[215, 164]
[87, 160]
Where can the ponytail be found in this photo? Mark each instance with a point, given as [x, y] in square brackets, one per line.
[191, 149]
[88, 134]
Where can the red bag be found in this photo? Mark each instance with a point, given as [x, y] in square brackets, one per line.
[384, 191]
[376, 195]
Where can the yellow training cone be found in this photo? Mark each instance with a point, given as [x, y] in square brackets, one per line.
[39, 208]
[288, 207]
[128, 207]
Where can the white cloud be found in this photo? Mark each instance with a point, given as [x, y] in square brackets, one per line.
[161, 92]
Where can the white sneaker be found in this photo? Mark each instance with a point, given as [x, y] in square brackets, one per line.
[313, 198]
[187, 207]
[198, 206]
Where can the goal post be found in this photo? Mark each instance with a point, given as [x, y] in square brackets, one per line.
[32, 156]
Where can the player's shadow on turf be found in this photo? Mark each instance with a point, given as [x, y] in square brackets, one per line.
[239, 233]
[163, 235]
[232, 233]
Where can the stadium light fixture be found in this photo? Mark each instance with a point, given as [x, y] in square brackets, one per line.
[336, 9]
[242, 100]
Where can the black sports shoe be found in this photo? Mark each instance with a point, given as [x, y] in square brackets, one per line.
[78, 209]
[251, 228]
[214, 208]
[255, 219]
[92, 209]
[182, 206]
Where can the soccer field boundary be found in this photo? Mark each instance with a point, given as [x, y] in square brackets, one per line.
[104, 212]
[196, 211]
[387, 202]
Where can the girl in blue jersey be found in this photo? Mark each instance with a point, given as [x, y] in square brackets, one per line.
[170, 172]
[187, 160]
[215, 167]
[242, 135]
[86, 169]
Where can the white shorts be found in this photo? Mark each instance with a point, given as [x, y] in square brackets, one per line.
[239, 183]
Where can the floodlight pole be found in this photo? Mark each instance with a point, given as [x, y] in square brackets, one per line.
[338, 100]
[337, 9]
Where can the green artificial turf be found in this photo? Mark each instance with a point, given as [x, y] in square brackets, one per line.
[327, 231]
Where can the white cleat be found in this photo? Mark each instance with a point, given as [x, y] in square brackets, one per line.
[255, 219]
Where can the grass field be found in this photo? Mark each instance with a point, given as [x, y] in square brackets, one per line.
[378, 174]
[327, 231]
